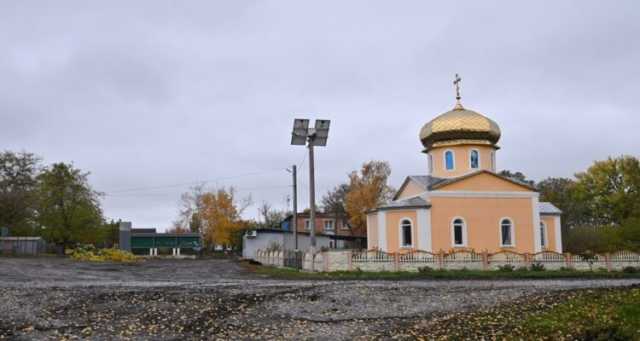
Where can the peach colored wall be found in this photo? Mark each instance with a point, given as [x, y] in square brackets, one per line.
[483, 182]
[372, 231]
[482, 216]
[393, 228]
[410, 190]
[462, 162]
[551, 231]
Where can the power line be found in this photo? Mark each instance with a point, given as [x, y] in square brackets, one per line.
[238, 189]
[147, 188]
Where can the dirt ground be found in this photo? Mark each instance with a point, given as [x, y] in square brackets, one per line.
[54, 298]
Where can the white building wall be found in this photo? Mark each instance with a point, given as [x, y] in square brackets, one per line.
[382, 230]
[424, 229]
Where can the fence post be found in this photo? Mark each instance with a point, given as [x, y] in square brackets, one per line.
[607, 260]
[325, 261]
[485, 260]
[567, 259]
[441, 259]
[350, 260]
[396, 261]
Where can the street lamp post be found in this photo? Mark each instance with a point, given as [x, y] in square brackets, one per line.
[316, 136]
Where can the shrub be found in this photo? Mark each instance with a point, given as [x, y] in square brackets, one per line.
[506, 268]
[537, 267]
[629, 269]
[522, 269]
[90, 254]
[425, 269]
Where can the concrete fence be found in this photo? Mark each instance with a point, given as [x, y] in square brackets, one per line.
[374, 260]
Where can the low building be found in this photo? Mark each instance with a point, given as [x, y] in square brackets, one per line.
[22, 246]
[281, 239]
[147, 241]
[326, 223]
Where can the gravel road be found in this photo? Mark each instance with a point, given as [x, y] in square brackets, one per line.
[54, 298]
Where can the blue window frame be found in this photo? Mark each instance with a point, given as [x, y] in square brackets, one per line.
[448, 160]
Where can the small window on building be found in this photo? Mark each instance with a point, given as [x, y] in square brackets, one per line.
[343, 224]
[307, 224]
[449, 160]
[543, 235]
[506, 232]
[405, 231]
[328, 225]
[458, 232]
[474, 159]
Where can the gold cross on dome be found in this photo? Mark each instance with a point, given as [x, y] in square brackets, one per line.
[456, 82]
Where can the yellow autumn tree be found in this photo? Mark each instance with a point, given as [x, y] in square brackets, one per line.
[367, 190]
[221, 216]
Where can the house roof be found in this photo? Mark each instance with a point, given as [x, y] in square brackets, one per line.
[548, 208]
[143, 230]
[281, 231]
[428, 182]
[425, 181]
[466, 176]
[413, 202]
[319, 214]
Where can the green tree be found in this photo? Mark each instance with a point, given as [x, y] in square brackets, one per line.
[630, 234]
[270, 217]
[18, 173]
[333, 202]
[611, 190]
[519, 176]
[562, 193]
[69, 210]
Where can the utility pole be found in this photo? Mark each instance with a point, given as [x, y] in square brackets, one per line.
[295, 207]
[312, 196]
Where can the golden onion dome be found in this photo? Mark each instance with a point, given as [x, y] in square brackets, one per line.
[459, 125]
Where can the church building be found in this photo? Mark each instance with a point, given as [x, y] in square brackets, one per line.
[462, 203]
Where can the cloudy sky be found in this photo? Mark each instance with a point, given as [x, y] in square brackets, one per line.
[154, 97]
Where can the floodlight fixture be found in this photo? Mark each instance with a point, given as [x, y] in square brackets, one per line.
[320, 133]
[300, 132]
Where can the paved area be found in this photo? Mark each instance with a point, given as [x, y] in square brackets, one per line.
[216, 299]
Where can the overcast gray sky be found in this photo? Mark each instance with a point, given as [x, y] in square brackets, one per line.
[155, 96]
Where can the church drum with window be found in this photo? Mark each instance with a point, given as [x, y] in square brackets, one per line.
[462, 203]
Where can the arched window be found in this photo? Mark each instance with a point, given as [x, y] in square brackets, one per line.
[506, 232]
[543, 234]
[405, 233]
[459, 232]
[474, 159]
[449, 160]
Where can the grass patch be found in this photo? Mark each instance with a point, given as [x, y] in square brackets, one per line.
[600, 315]
[286, 273]
[586, 314]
